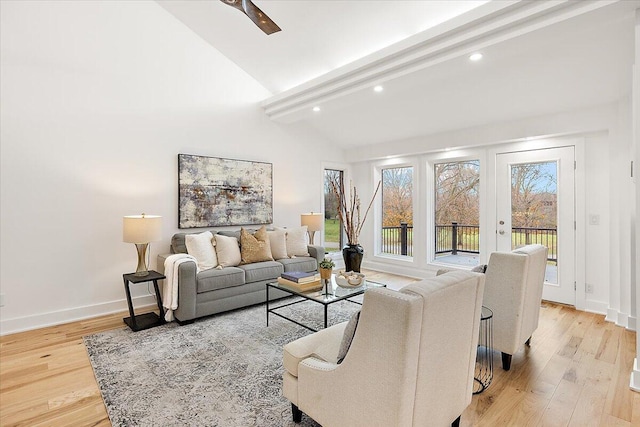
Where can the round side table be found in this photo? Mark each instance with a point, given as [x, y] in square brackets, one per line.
[484, 357]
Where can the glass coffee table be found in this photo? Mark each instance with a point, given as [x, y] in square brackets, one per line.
[335, 294]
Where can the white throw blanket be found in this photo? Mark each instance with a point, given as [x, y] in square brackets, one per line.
[170, 293]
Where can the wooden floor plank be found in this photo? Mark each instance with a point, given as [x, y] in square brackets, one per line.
[576, 373]
[560, 407]
[619, 402]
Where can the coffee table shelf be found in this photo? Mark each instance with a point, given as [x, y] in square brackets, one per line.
[321, 297]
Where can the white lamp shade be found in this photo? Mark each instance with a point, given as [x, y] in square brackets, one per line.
[141, 228]
[313, 221]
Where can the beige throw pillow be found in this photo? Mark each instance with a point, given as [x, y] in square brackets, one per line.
[227, 250]
[297, 241]
[278, 243]
[200, 246]
[255, 248]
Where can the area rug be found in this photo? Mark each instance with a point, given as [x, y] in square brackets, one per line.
[224, 370]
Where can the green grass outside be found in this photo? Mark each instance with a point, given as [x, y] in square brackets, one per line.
[332, 234]
[471, 241]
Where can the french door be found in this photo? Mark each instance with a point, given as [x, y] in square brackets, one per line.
[535, 203]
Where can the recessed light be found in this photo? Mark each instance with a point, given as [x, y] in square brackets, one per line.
[378, 88]
[475, 56]
[316, 109]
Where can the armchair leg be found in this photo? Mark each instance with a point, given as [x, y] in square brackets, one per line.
[506, 361]
[456, 422]
[528, 342]
[297, 413]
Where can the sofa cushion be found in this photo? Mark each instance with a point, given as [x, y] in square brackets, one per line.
[178, 245]
[297, 241]
[227, 250]
[234, 233]
[200, 246]
[299, 264]
[255, 248]
[214, 279]
[258, 271]
[278, 243]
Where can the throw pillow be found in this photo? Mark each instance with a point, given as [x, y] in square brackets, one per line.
[200, 246]
[255, 248]
[347, 338]
[278, 243]
[228, 251]
[482, 268]
[297, 241]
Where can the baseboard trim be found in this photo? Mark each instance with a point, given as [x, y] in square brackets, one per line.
[620, 319]
[37, 321]
[597, 307]
[634, 381]
[612, 315]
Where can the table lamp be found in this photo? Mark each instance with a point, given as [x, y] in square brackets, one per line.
[140, 230]
[314, 222]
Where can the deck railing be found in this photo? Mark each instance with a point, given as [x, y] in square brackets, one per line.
[398, 240]
[455, 238]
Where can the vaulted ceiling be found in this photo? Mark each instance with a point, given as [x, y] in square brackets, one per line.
[539, 58]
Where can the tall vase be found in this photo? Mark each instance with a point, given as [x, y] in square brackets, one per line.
[352, 255]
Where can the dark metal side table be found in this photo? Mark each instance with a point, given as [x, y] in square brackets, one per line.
[483, 374]
[146, 320]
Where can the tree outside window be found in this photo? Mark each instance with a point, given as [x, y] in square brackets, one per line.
[397, 211]
[457, 212]
[332, 226]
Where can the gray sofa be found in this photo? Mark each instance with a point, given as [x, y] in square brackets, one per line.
[216, 290]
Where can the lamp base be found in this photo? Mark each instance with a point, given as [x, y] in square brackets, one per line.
[141, 269]
[311, 236]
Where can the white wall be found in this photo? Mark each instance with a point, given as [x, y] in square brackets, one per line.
[605, 132]
[619, 310]
[98, 98]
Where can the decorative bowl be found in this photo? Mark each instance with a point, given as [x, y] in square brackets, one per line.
[349, 279]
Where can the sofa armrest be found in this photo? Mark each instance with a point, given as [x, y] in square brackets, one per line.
[316, 252]
[187, 288]
[324, 344]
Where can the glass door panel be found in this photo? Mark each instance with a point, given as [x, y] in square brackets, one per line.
[535, 204]
[534, 210]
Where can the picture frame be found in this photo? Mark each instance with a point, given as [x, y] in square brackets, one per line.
[216, 192]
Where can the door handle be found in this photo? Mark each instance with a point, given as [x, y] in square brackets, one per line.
[501, 231]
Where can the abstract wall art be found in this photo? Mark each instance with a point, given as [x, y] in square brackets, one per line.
[216, 192]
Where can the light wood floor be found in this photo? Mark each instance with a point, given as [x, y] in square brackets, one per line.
[576, 373]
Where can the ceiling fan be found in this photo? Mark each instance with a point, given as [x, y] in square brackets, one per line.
[255, 14]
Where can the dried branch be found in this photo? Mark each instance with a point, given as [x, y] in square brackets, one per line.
[350, 214]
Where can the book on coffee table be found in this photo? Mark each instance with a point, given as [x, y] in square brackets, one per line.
[300, 287]
[300, 276]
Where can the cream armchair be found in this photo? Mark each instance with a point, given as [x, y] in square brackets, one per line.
[411, 362]
[513, 291]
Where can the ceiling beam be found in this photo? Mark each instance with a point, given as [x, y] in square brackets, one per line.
[487, 25]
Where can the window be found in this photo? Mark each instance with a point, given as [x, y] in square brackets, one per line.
[534, 210]
[457, 212]
[333, 240]
[397, 211]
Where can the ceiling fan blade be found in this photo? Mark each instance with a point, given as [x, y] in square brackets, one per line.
[255, 14]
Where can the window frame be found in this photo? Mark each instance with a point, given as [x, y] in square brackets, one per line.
[381, 207]
[458, 155]
[378, 255]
